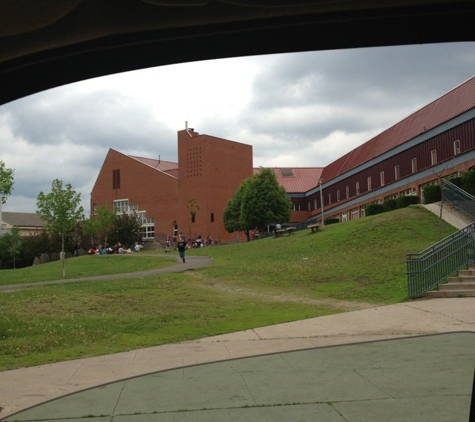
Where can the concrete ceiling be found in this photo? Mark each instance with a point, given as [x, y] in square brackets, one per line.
[48, 43]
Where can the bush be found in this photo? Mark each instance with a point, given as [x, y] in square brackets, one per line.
[457, 181]
[331, 221]
[373, 209]
[406, 200]
[468, 182]
[389, 205]
[431, 194]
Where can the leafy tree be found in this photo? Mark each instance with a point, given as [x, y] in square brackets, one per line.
[10, 248]
[264, 201]
[6, 182]
[90, 228]
[232, 213]
[105, 218]
[126, 229]
[193, 207]
[61, 210]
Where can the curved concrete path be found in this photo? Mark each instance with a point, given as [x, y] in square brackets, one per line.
[332, 368]
[192, 263]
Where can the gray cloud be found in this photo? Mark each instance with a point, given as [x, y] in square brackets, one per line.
[303, 109]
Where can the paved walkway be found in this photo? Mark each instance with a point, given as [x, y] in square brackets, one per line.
[278, 373]
[334, 368]
[192, 263]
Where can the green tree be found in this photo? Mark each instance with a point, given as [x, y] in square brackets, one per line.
[232, 213]
[105, 218]
[90, 228]
[61, 210]
[10, 248]
[126, 229]
[264, 201]
[6, 182]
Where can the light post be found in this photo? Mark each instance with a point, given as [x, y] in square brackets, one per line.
[321, 198]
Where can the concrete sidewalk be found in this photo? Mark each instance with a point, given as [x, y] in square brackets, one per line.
[285, 372]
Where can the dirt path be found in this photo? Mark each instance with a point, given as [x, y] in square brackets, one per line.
[328, 303]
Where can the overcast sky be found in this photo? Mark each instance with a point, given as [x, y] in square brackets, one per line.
[296, 110]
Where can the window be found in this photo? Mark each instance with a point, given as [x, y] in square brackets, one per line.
[94, 207]
[433, 157]
[369, 182]
[414, 165]
[363, 211]
[381, 178]
[456, 147]
[309, 206]
[296, 207]
[116, 179]
[329, 198]
[315, 204]
[347, 191]
[193, 216]
[212, 217]
[121, 206]
[355, 213]
[344, 216]
[338, 195]
[396, 172]
[148, 232]
[357, 188]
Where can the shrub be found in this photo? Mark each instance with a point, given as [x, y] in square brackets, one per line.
[468, 182]
[432, 194]
[373, 209]
[457, 181]
[406, 200]
[331, 221]
[389, 205]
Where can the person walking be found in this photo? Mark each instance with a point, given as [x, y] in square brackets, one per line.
[181, 245]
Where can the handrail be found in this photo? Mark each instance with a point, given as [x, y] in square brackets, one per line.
[428, 268]
[458, 198]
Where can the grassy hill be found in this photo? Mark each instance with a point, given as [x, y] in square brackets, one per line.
[359, 260]
[346, 266]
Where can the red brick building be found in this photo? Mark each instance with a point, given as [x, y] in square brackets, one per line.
[186, 197]
[189, 196]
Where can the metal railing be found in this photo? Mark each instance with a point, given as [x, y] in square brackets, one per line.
[428, 268]
[459, 199]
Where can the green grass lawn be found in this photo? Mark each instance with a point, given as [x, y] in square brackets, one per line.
[85, 266]
[264, 282]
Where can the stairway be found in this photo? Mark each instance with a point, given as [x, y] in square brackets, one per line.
[461, 286]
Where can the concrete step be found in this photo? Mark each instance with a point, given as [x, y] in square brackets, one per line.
[458, 285]
[450, 293]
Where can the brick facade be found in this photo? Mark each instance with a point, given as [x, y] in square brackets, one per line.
[208, 172]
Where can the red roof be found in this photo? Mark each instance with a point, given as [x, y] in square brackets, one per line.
[455, 102]
[165, 166]
[296, 179]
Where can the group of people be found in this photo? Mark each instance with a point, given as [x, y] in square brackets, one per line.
[181, 244]
[198, 242]
[118, 248]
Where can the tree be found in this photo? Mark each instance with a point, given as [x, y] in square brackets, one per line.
[126, 229]
[193, 206]
[232, 213]
[6, 182]
[90, 227]
[61, 210]
[262, 202]
[10, 248]
[105, 218]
